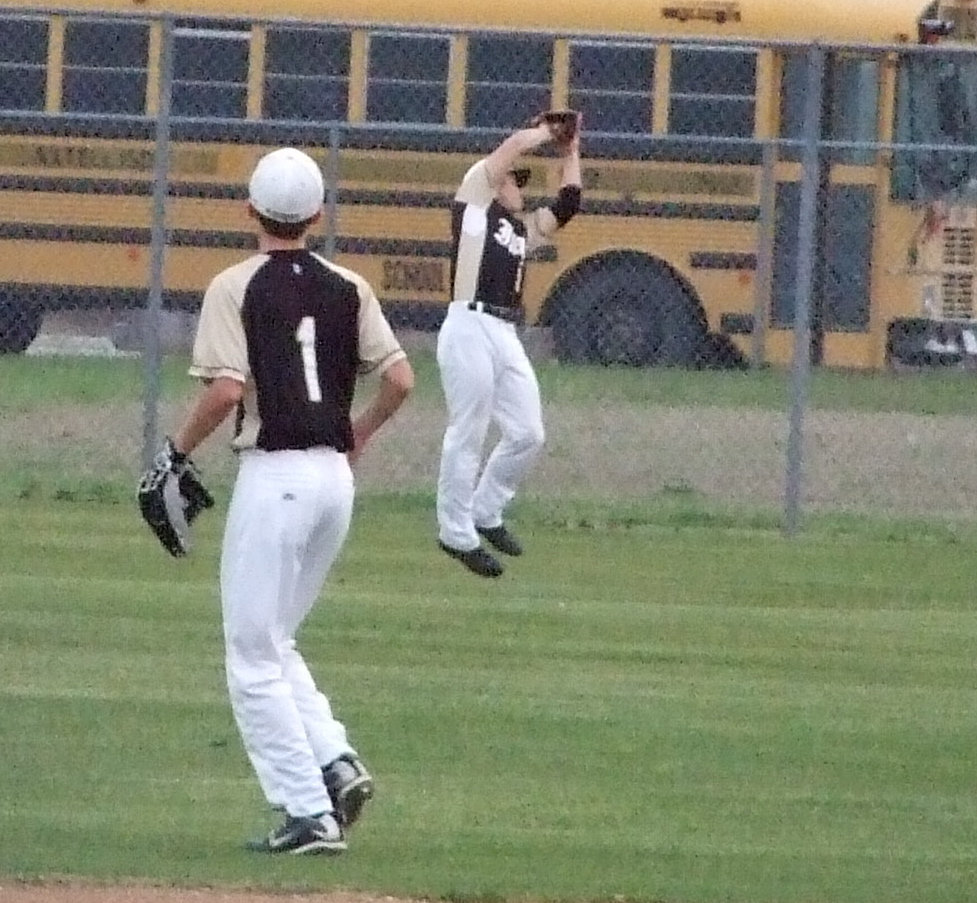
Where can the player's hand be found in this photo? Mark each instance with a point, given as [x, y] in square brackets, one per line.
[540, 126]
[360, 439]
[195, 494]
[563, 127]
[170, 496]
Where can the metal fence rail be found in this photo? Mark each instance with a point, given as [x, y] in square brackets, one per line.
[730, 220]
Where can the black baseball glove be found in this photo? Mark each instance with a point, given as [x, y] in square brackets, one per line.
[170, 497]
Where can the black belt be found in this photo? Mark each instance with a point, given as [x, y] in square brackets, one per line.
[509, 314]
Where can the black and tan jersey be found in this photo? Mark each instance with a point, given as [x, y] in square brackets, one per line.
[490, 244]
[297, 331]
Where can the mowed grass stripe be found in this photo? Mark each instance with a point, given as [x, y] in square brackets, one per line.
[693, 715]
[30, 382]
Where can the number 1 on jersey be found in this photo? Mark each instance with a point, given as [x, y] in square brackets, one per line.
[305, 336]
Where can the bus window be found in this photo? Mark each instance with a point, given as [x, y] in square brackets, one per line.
[509, 80]
[854, 110]
[936, 104]
[210, 69]
[612, 85]
[713, 92]
[407, 79]
[307, 74]
[23, 63]
[105, 67]
[852, 102]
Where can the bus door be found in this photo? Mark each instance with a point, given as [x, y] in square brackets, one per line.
[847, 201]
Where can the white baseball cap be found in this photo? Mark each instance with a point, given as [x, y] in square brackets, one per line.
[286, 186]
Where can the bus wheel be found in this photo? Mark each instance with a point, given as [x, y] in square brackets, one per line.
[635, 313]
[20, 322]
[621, 333]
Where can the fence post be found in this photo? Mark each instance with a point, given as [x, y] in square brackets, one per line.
[332, 194]
[806, 250]
[152, 357]
[763, 284]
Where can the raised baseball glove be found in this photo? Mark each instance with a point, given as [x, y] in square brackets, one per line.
[563, 125]
[170, 497]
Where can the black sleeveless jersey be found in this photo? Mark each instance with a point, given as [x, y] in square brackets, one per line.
[300, 324]
[488, 254]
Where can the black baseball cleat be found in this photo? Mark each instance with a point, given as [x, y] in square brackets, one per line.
[477, 560]
[349, 785]
[303, 835]
[501, 539]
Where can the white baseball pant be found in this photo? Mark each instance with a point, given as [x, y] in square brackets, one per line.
[487, 378]
[288, 518]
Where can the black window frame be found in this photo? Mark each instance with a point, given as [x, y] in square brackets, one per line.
[840, 122]
[93, 79]
[423, 98]
[313, 90]
[634, 100]
[23, 75]
[494, 101]
[936, 103]
[195, 76]
[713, 102]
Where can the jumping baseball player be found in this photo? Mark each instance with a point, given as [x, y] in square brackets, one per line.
[281, 339]
[485, 372]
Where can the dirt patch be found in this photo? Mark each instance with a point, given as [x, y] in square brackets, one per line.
[898, 464]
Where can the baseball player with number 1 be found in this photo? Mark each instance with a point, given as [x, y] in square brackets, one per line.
[281, 339]
[485, 372]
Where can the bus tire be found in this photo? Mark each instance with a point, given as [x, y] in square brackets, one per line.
[630, 310]
[20, 322]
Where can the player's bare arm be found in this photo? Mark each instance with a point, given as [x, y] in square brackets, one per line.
[396, 383]
[545, 221]
[216, 400]
[571, 159]
[503, 158]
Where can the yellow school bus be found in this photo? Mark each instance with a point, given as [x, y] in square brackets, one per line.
[688, 230]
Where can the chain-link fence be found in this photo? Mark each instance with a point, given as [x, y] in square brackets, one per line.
[760, 208]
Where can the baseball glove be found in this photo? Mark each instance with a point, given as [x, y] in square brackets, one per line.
[563, 125]
[170, 497]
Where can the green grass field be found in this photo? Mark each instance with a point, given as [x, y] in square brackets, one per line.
[29, 382]
[637, 711]
[898, 444]
[664, 701]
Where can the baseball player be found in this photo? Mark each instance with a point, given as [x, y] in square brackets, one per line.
[281, 339]
[485, 372]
